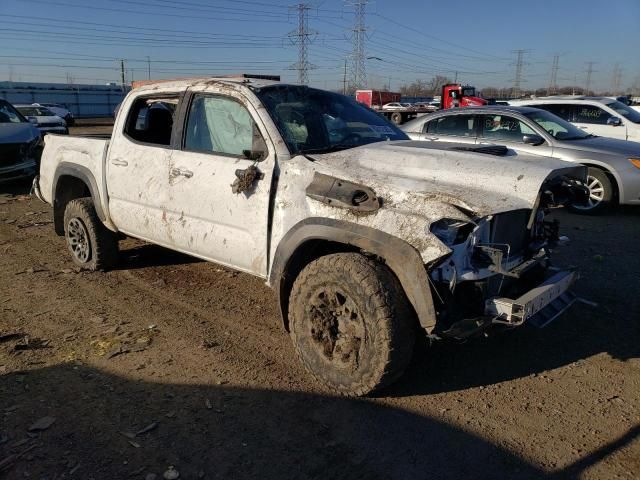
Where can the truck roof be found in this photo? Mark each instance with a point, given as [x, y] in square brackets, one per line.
[240, 79]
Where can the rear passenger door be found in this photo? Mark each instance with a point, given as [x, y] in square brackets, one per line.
[137, 166]
[459, 128]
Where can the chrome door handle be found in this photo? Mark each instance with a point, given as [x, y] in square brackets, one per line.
[120, 163]
[181, 172]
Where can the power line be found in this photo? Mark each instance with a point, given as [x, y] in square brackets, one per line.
[302, 37]
[148, 13]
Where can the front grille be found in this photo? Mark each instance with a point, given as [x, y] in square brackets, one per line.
[511, 228]
[12, 153]
[50, 125]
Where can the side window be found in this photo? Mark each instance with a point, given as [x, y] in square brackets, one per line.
[591, 114]
[564, 111]
[504, 127]
[150, 120]
[456, 125]
[221, 125]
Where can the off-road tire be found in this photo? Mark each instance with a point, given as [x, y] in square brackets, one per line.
[605, 189]
[80, 218]
[381, 323]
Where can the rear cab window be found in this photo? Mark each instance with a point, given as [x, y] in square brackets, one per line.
[151, 119]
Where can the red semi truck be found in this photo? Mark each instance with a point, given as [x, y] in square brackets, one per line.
[456, 95]
[453, 95]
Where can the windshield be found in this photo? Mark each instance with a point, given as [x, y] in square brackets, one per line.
[8, 114]
[317, 121]
[556, 127]
[36, 112]
[626, 111]
[469, 92]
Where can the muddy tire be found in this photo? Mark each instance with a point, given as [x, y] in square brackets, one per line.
[91, 244]
[601, 193]
[351, 323]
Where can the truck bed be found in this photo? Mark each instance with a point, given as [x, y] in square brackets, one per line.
[86, 153]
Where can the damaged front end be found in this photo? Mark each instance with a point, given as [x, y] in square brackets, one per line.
[498, 271]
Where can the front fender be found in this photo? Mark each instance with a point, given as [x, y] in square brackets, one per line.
[402, 258]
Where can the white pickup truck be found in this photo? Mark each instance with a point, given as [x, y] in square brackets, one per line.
[368, 239]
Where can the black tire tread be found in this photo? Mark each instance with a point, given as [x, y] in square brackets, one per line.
[104, 243]
[395, 319]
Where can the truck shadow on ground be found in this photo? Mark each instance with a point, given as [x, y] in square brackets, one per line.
[147, 255]
[219, 432]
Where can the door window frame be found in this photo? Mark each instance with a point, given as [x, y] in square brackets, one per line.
[472, 115]
[578, 106]
[533, 128]
[174, 127]
[183, 118]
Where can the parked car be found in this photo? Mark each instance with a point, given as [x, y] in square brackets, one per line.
[368, 239]
[44, 119]
[614, 165]
[393, 106]
[602, 116]
[20, 145]
[425, 106]
[60, 110]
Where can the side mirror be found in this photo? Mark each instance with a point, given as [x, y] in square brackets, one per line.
[614, 121]
[533, 140]
[33, 120]
[255, 155]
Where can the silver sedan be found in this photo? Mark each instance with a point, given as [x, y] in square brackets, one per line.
[614, 165]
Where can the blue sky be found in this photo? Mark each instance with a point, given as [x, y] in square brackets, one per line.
[84, 39]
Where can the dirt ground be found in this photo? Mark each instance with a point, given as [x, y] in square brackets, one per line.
[173, 362]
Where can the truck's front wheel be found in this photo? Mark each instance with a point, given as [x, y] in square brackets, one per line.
[92, 245]
[351, 323]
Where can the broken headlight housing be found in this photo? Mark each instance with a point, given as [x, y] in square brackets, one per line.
[451, 231]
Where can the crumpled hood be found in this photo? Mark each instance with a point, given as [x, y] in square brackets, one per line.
[481, 183]
[604, 145]
[18, 133]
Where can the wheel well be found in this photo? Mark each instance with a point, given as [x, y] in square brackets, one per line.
[305, 254]
[612, 178]
[68, 188]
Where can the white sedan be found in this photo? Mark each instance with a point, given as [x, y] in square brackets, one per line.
[393, 106]
[44, 119]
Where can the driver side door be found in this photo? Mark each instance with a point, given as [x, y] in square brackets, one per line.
[509, 131]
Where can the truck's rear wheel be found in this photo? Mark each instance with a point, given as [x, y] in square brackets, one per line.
[351, 323]
[92, 245]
